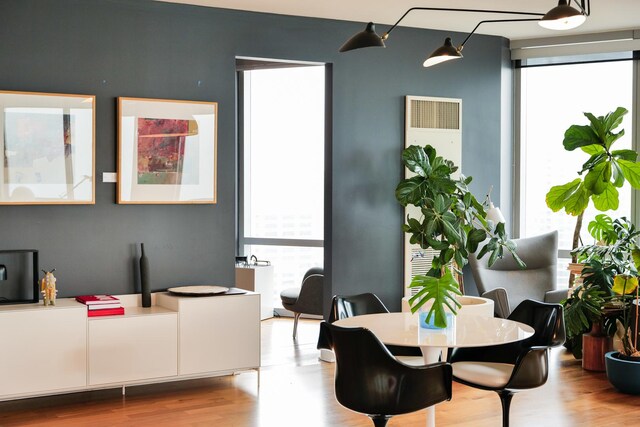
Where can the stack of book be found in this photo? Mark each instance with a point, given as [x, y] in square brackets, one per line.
[101, 305]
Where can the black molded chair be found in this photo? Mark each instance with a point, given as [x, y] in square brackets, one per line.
[369, 380]
[522, 365]
[307, 298]
[343, 306]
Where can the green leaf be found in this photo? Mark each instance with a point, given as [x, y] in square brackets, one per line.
[607, 200]
[441, 290]
[593, 149]
[613, 119]
[580, 136]
[559, 194]
[439, 204]
[451, 232]
[415, 159]
[630, 155]
[610, 138]
[593, 161]
[577, 202]
[474, 238]
[597, 124]
[410, 191]
[635, 254]
[601, 227]
[598, 178]
[631, 172]
[617, 174]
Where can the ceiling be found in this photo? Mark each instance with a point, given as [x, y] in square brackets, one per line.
[604, 16]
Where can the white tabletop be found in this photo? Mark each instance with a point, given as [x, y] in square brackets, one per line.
[464, 331]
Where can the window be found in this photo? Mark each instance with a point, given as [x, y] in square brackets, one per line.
[552, 99]
[282, 183]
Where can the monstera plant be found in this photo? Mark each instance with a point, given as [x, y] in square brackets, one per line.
[452, 222]
[601, 175]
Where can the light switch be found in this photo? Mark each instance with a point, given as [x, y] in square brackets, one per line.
[109, 177]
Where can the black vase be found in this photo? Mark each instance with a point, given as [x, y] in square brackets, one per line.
[145, 283]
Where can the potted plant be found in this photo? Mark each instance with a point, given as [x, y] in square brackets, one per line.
[601, 175]
[452, 222]
[623, 367]
[601, 302]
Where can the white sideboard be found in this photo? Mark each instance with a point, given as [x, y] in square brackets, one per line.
[58, 349]
[259, 279]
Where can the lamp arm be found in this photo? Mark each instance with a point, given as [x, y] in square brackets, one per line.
[386, 35]
[584, 6]
[488, 21]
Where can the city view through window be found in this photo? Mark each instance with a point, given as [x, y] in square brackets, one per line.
[283, 185]
[554, 98]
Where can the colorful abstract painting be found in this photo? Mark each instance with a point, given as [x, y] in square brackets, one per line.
[162, 144]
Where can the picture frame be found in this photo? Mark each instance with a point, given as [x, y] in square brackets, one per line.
[47, 144]
[167, 151]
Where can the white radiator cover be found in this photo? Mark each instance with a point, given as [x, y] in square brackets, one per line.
[436, 122]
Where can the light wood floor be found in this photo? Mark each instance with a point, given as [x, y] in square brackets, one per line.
[297, 390]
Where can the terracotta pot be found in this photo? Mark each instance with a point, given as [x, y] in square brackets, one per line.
[595, 344]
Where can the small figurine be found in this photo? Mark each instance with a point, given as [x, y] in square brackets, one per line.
[48, 287]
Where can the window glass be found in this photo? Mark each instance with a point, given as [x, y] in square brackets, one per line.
[554, 98]
[283, 167]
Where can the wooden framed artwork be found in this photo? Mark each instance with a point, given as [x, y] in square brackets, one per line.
[166, 151]
[48, 148]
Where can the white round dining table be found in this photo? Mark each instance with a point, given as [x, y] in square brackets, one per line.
[462, 331]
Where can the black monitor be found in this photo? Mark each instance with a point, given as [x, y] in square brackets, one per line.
[19, 276]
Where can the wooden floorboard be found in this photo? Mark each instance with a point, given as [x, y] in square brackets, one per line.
[297, 390]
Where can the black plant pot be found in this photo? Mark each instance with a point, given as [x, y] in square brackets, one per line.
[623, 372]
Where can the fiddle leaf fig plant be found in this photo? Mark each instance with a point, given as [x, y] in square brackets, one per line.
[449, 220]
[601, 175]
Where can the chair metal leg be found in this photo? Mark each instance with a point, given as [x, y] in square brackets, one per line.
[296, 316]
[380, 420]
[505, 399]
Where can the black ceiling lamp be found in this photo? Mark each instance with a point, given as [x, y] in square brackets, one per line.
[366, 38]
[562, 16]
[565, 17]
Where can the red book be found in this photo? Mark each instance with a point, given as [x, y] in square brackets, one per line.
[97, 299]
[103, 306]
[105, 312]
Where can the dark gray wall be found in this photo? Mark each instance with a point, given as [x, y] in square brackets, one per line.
[114, 48]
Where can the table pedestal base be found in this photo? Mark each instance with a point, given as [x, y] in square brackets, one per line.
[432, 355]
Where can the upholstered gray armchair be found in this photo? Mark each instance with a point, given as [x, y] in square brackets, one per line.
[307, 298]
[508, 285]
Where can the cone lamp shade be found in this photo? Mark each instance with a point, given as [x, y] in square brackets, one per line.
[444, 53]
[366, 38]
[562, 17]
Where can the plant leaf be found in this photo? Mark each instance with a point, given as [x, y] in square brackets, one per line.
[631, 172]
[593, 149]
[441, 290]
[580, 136]
[600, 227]
[416, 160]
[635, 255]
[607, 200]
[598, 178]
[410, 191]
[629, 155]
[613, 119]
[624, 284]
[577, 202]
[559, 194]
